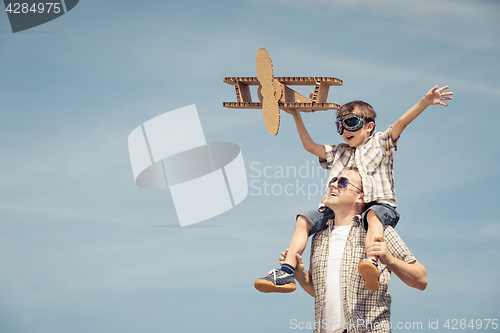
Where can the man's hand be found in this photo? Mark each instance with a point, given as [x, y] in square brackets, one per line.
[301, 275]
[379, 248]
[300, 272]
[413, 274]
[436, 96]
[283, 257]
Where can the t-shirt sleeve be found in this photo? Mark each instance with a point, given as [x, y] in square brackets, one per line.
[330, 151]
[396, 246]
[387, 142]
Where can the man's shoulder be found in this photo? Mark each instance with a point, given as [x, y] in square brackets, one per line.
[320, 235]
[322, 232]
[396, 245]
[390, 231]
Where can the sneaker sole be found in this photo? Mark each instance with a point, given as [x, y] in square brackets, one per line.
[265, 286]
[370, 273]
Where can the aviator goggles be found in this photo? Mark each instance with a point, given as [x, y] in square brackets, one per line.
[351, 122]
[342, 182]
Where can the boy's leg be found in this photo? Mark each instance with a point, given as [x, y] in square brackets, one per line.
[375, 228]
[368, 267]
[282, 280]
[299, 240]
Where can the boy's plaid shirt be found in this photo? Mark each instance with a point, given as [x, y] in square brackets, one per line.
[364, 310]
[374, 160]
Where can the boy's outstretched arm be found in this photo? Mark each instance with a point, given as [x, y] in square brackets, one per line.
[433, 97]
[307, 142]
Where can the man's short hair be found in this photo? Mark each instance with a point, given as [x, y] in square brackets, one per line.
[351, 168]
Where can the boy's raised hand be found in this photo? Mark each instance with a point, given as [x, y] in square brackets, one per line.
[293, 112]
[436, 96]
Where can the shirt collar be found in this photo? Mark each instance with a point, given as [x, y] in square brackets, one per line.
[356, 219]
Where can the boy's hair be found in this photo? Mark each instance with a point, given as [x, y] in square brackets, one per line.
[362, 108]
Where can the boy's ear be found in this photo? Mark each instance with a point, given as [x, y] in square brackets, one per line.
[370, 126]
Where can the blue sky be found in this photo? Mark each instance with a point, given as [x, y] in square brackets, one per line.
[83, 249]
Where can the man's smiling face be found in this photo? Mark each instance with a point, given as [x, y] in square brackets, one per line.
[348, 195]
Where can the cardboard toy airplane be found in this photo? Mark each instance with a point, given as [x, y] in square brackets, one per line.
[275, 94]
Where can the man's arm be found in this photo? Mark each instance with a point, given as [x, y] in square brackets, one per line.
[300, 273]
[307, 142]
[433, 97]
[413, 274]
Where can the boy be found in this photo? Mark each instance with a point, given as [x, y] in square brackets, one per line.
[372, 153]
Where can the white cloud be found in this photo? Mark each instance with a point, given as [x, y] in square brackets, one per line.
[491, 230]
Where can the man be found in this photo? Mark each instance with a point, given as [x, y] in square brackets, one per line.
[342, 304]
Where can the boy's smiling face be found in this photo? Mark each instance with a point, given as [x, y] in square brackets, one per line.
[356, 139]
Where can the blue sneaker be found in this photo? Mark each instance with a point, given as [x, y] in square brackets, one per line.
[276, 281]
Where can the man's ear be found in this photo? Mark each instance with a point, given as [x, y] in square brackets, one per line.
[361, 198]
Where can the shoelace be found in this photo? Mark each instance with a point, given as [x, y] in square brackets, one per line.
[273, 271]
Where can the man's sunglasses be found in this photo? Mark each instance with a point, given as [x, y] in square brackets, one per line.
[351, 122]
[342, 182]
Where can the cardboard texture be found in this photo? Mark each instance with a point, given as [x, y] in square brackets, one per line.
[271, 91]
[274, 93]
